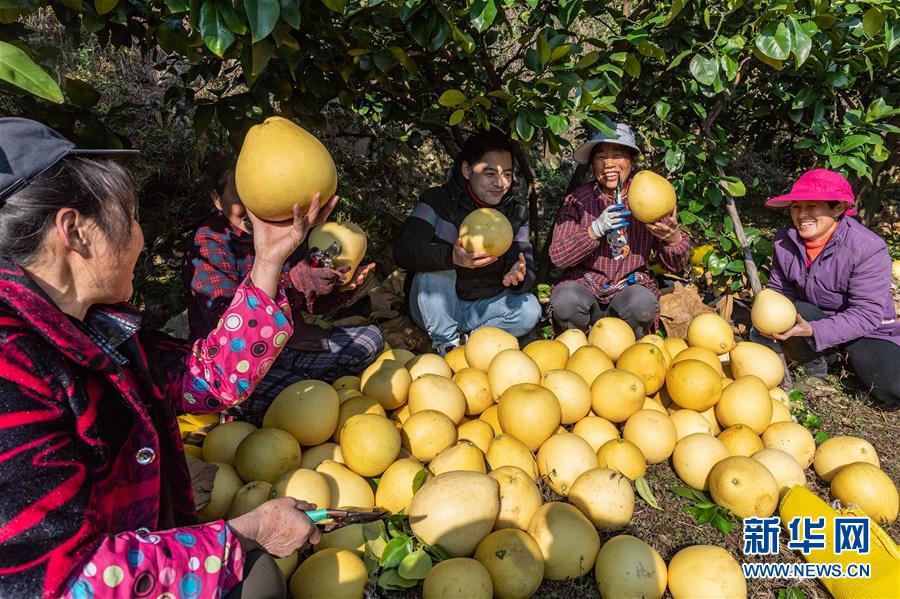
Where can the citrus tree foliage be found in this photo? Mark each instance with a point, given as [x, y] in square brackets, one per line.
[815, 82]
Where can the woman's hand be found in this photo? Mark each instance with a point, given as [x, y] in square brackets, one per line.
[516, 274]
[278, 526]
[470, 260]
[273, 243]
[666, 229]
[800, 329]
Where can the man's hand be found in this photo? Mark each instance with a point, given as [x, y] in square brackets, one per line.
[801, 329]
[358, 279]
[470, 260]
[516, 274]
[666, 229]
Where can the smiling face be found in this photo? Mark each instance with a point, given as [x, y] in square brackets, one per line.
[814, 219]
[491, 177]
[611, 163]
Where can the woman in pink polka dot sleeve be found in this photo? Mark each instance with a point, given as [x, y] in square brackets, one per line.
[101, 502]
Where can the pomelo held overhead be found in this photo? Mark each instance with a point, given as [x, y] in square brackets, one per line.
[650, 197]
[486, 230]
[282, 164]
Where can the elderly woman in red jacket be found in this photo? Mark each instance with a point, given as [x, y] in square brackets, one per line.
[97, 498]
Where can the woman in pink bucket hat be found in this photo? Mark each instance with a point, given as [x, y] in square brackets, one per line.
[838, 274]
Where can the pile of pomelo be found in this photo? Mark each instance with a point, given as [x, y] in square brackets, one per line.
[491, 424]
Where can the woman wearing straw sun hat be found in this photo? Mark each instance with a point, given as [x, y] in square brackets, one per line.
[604, 251]
[838, 273]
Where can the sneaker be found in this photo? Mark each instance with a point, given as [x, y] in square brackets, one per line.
[444, 349]
[816, 368]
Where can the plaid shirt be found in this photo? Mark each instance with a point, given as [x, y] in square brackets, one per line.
[590, 262]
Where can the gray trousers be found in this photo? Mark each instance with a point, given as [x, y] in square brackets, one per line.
[575, 307]
[262, 579]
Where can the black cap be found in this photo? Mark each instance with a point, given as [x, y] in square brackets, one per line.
[28, 148]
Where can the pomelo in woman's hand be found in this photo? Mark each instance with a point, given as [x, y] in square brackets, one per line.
[773, 313]
[650, 197]
[350, 238]
[486, 230]
[282, 164]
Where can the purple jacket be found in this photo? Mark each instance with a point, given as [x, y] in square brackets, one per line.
[850, 281]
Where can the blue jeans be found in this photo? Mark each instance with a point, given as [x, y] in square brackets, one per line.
[435, 307]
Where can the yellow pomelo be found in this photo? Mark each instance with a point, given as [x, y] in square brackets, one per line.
[675, 345]
[744, 486]
[712, 332]
[221, 442]
[266, 454]
[388, 382]
[347, 394]
[653, 433]
[710, 416]
[303, 484]
[514, 561]
[491, 416]
[282, 164]
[350, 238]
[395, 489]
[401, 414]
[650, 197]
[694, 385]
[706, 572]
[511, 367]
[455, 510]
[456, 358]
[628, 567]
[652, 404]
[745, 401]
[462, 456]
[548, 354]
[688, 422]
[351, 538]
[703, 354]
[194, 451]
[837, 452]
[694, 457]
[622, 456]
[425, 434]
[401, 355]
[752, 358]
[895, 270]
[429, 364]
[562, 459]
[348, 381]
[727, 381]
[781, 396]
[772, 312]
[867, 486]
[347, 488]
[333, 573]
[779, 412]
[588, 362]
[288, 565]
[572, 558]
[605, 497]
[485, 343]
[458, 578]
[741, 440]
[792, 438]
[478, 432]
[617, 394]
[783, 467]
[660, 343]
[369, 443]
[353, 407]
[646, 361]
[596, 431]
[574, 339]
[506, 450]
[433, 392]
[476, 388]
[519, 497]
[313, 456]
[612, 335]
[571, 391]
[530, 413]
[226, 484]
[486, 230]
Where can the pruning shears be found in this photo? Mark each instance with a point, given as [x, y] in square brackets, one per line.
[340, 518]
[326, 257]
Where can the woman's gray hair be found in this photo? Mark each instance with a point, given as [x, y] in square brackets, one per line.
[99, 189]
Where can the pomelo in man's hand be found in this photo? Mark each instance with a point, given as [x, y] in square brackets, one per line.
[282, 164]
[486, 230]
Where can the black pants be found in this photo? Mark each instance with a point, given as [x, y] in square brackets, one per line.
[262, 579]
[575, 307]
[876, 361]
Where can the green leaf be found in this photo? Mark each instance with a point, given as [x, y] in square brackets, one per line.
[543, 49]
[261, 52]
[852, 142]
[568, 11]
[645, 493]
[707, 514]
[674, 10]
[394, 552]
[234, 17]
[524, 129]
[422, 475]
[873, 21]
[337, 6]
[18, 69]
[451, 97]
[392, 581]
[662, 109]
[722, 524]
[632, 66]
[262, 16]
[704, 69]
[415, 565]
[734, 186]
[558, 124]
[774, 41]
[290, 12]
[105, 6]
[820, 437]
[801, 42]
[80, 93]
[685, 492]
[215, 32]
[178, 6]
[482, 14]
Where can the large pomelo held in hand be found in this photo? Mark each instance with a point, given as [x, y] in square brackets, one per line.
[486, 230]
[650, 197]
[349, 237]
[282, 164]
[772, 312]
